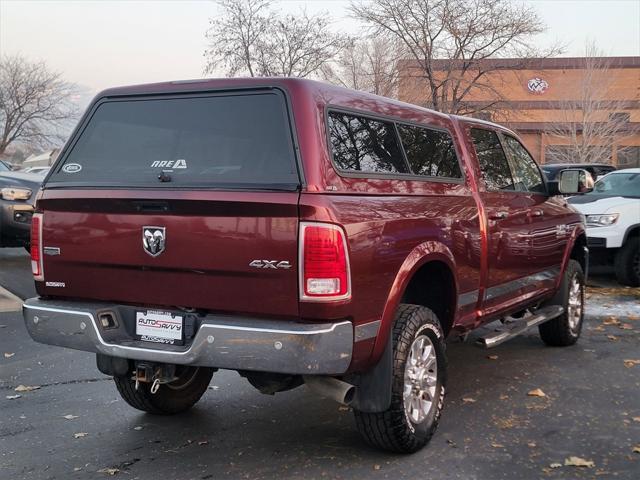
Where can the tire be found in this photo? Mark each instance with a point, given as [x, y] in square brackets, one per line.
[627, 263]
[565, 329]
[171, 398]
[396, 429]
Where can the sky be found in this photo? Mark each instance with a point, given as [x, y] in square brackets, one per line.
[103, 43]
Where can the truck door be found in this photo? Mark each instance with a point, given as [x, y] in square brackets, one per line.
[507, 223]
[546, 217]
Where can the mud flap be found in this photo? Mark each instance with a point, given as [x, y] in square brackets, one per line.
[373, 392]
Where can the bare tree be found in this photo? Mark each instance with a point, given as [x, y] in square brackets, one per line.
[369, 64]
[591, 124]
[448, 42]
[36, 105]
[250, 38]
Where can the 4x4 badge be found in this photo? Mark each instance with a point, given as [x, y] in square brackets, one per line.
[153, 240]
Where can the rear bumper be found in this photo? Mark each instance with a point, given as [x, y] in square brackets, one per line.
[219, 341]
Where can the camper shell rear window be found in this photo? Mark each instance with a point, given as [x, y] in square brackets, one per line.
[235, 140]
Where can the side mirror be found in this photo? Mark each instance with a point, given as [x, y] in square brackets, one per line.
[575, 180]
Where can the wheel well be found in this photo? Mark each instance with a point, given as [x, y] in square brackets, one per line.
[632, 233]
[578, 253]
[433, 286]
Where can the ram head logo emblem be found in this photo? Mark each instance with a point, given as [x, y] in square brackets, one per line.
[154, 240]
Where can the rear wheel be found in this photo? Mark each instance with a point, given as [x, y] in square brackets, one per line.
[419, 376]
[627, 263]
[565, 329]
[171, 398]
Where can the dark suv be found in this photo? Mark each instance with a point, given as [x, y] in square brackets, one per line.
[17, 195]
[298, 233]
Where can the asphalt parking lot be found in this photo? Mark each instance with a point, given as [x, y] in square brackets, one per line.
[74, 425]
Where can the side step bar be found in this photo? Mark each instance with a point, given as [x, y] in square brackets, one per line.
[518, 327]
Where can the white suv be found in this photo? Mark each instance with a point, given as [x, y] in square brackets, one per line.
[612, 212]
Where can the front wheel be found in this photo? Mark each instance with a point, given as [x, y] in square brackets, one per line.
[565, 329]
[418, 384]
[171, 398]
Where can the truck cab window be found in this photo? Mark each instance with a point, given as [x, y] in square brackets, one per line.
[526, 170]
[493, 162]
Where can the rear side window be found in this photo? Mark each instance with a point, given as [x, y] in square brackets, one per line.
[235, 140]
[493, 162]
[525, 167]
[361, 144]
[429, 152]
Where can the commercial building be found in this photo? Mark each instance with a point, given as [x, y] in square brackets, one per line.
[536, 97]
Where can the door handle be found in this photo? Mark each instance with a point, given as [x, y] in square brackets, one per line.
[498, 215]
[535, 213]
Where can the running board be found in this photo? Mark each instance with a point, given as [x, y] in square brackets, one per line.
[518, 327]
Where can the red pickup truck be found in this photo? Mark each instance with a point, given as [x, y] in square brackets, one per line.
[298, 233]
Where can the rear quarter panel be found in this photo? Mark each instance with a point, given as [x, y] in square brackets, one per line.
[393, 225]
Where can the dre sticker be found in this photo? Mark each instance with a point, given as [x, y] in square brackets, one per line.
[175, 164]
[72, 168]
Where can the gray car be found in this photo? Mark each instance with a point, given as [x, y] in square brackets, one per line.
[17, 195]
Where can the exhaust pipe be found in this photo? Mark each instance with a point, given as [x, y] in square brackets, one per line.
[341, 392]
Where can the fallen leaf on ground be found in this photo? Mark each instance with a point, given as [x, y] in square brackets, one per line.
[138, 428]
[497, 445]
[612, 338]
[599, 328]
[376, 467]
[9, 354]
[492, 357]
[578, 462]
[531, 445]
[625, 326]
[611, 321]
[636, 449]
[13, 397]
[203, 442]
[504, 397]
[80, 434]
[70, 417]
[636, 419]
[26, 388]
[633, 317]
[109, 471]
[555, 465]
[537, 393]
[631, 363]
[469, 400]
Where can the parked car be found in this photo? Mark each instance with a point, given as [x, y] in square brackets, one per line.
[612, 213]
[597, 170]
[296, 232]
[17, 194]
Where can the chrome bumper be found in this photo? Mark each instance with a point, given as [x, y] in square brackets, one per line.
[220, 341]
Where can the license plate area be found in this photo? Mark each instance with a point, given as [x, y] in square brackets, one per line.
[159, 326]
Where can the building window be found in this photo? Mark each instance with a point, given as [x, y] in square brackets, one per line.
[620, 117]
[628, 157]
[572, 154]
[483, 116]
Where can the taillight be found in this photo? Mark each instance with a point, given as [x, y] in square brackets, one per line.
[324, 263]
[36, 246]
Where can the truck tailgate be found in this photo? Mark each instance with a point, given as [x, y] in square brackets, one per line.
[210, 242]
